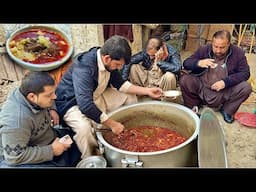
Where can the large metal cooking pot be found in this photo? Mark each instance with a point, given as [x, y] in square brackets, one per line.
[155, 113]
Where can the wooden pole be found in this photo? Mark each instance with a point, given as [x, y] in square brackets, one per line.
[251, 80]
[241, 37]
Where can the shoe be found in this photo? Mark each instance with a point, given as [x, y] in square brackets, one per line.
[228, 118]
[195, 109]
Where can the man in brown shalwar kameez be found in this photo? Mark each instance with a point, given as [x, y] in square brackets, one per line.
[217, 77]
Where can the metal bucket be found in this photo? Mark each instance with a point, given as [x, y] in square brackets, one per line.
[155, 113]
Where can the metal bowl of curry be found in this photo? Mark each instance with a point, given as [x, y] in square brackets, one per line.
[39, 48]
[173, 116]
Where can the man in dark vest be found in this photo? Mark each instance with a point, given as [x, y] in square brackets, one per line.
[217, 77]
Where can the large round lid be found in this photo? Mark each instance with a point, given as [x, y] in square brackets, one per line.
[211, 141]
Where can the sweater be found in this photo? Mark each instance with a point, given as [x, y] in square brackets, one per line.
[25, 132]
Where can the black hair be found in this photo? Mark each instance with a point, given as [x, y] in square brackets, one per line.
[117, 47]
[34, 82]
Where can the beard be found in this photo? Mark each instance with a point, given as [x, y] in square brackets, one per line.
[220, 56]
[108, 69]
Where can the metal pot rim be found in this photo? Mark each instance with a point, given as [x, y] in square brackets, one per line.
[190, 139]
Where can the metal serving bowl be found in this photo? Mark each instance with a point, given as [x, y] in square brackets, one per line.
[92, 162]
[42, 66]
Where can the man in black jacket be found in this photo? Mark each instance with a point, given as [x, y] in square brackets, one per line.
[158, 65]
[92, 87]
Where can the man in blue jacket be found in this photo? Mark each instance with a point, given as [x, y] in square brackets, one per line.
[158, 65]
[92, 87]
[218, 74]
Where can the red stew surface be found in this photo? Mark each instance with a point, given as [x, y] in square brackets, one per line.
[145, 139]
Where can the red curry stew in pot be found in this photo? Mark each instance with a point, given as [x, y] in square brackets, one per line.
[39, 46]
[145, 139]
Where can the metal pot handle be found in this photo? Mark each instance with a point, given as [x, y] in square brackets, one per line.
[131, 161]
[101, 147]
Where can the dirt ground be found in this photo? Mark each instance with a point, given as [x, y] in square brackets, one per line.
[240, 140]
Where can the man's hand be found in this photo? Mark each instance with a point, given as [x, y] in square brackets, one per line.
[219, 85]
[159, 54]
[206, 63]
[55, 117]
[155, 92]
[58, 147]
[115, 126]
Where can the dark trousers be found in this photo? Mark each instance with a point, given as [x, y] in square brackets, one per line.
[232, 99]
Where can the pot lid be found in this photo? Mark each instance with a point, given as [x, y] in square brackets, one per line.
[211, 142]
